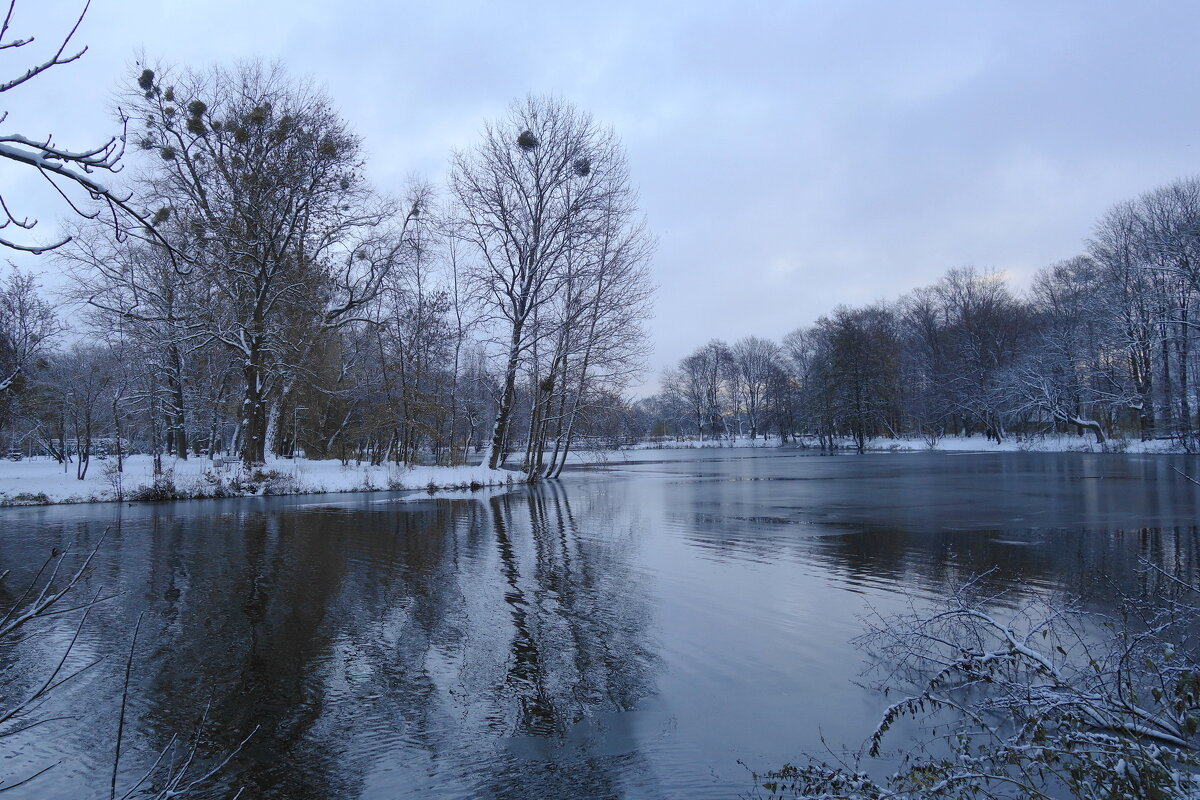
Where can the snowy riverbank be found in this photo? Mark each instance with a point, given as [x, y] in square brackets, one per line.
[42, 480]
[976, 444]
[38, 481]
[1037, 444]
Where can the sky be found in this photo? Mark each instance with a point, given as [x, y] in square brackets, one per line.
[790, 156]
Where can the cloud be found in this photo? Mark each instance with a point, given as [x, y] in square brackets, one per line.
[790, 156]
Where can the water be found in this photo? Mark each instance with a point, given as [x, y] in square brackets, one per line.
[646, 628]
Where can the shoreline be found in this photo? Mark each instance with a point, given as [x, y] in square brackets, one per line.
[40, 481]
[43, 482]
[973, 444]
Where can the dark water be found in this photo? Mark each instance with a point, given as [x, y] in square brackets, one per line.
[636, 630]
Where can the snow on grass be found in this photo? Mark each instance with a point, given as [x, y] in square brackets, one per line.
[42, 480]
[974, 444]
[688, 444]
[1036, 444]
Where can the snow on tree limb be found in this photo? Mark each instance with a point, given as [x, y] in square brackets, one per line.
[63, 168]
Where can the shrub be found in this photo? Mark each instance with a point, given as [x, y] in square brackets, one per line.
[265, 482]
[1046, 700]
[274, 483]
[162, 488]
[26, 499]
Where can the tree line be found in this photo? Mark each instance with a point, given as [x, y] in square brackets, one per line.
[1103, 344]
[262, 298]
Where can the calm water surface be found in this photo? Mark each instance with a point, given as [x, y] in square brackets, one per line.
[634, 630]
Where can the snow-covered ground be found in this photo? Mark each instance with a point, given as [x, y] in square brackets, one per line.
[42, 480]
[688, 444]
[1040, 444]
[1037, 444]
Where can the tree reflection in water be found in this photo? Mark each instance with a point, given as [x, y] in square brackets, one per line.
[629, 635]
[372, 646]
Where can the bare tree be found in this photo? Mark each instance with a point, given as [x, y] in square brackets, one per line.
[27, 324]
[700, 386]
[683, 396]
[754, 360]
[536, 189]
[136, 289]
[601, 340]
[1128, 305]
[862, 355]
[68, 171]
[259, 187]
[1169, 219]
[1064, 371]
[986, 329]
[806, 350]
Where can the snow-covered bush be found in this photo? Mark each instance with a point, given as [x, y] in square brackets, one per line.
[162, 487]
[1036, 699]
[25, 499]
[264, 482]
[1116, 444]
[116, 479]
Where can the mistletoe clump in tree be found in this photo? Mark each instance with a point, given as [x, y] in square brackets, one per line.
[259, 189]
[545, 201]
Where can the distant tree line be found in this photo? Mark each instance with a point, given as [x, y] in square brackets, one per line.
[1103, 344]
[262, 298]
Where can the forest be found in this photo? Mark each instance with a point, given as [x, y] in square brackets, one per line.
[236, 284]
[1101, 345]
[253, 295]
[247, 292]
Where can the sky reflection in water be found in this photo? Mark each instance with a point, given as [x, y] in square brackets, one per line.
[632, 634]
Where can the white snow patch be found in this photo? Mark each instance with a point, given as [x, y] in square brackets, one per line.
[43, 480]
[960, 444]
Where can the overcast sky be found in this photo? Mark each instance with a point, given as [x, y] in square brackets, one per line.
[790, 156]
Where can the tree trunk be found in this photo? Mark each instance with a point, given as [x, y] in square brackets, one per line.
[178, 417]
[117, 429]
[504, 409]
[271, 431]
[254, 417]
